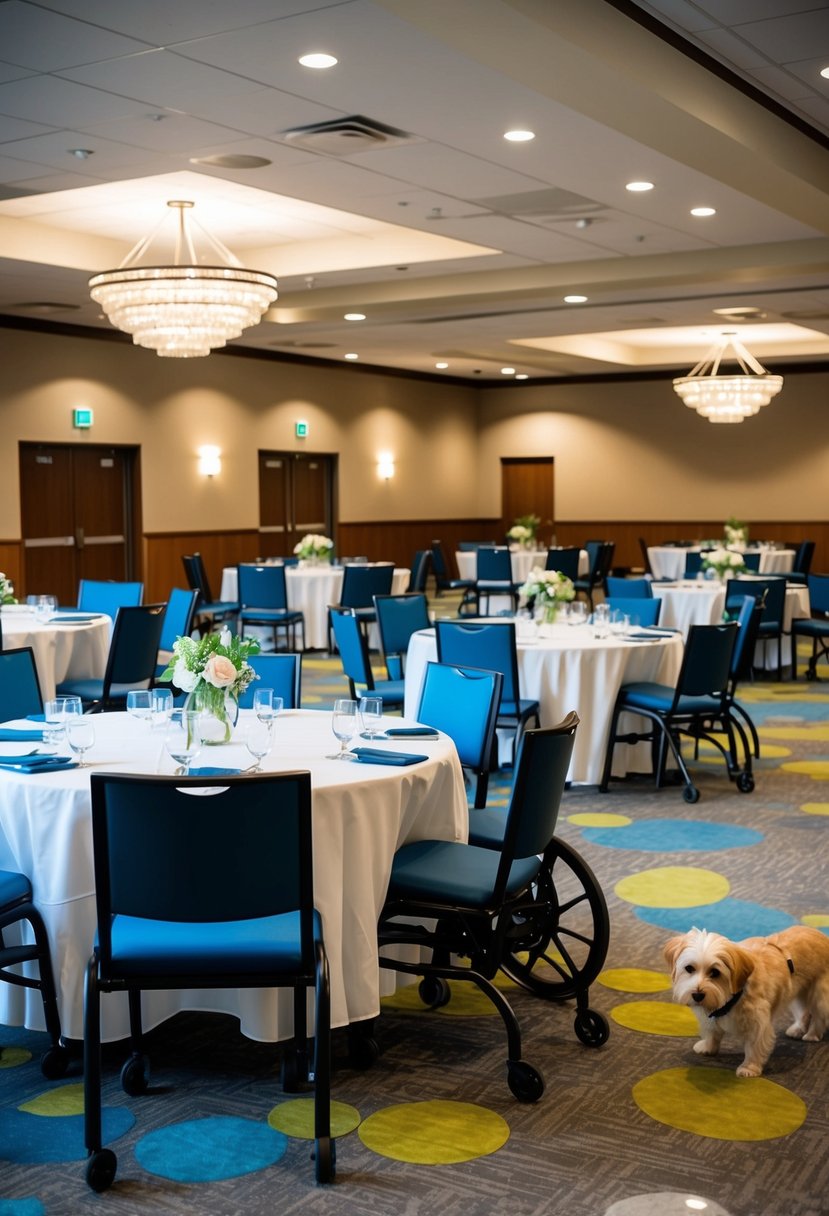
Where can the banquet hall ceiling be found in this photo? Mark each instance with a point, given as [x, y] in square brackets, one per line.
[408, 205]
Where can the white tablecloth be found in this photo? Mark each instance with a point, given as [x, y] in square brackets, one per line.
[61, 651]
[311, 589]
[668, 561]
[521, 560]
[568, 670]
[362, 813]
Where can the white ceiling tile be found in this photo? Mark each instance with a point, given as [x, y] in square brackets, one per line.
[56, 102]
[48, 42]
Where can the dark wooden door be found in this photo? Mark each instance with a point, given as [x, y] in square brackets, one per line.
[296, 495]
[78, 517]
[527, 488]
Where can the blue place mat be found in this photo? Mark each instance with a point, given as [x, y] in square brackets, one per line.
[404, 732]
[37, 764]
[374, 755]
[208, 770]
[9, 735]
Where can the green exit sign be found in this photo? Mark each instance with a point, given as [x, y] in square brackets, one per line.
[82, 419]
[301, 429]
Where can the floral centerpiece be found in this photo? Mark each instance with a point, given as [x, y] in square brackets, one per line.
[548, 590]
[314, 548]
[735, 533]
[214, 672]
[524, 530]
[723, 561]
[7, 595]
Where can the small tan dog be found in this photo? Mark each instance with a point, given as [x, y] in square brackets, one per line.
[738, 987]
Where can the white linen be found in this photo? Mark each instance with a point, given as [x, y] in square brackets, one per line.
[61, 651]
[361, 813]
[570, 669]
[668, 561]
[311, 590]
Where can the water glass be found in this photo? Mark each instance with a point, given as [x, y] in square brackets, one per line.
[80, 733]
[182, 738]
[258, 736]
[578, 613]
[56, 713]
[266, 705]
[371, 714]
[140, 704]
[345, 723]
[161, 707]
[601, 621]
[45, 607]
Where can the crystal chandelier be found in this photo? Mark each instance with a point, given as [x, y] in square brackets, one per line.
[727, 398]
[183, 309]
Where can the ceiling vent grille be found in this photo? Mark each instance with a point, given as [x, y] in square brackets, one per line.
[345, 136]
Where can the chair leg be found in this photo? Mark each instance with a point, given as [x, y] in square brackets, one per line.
[323, 1144]
[92, 1058]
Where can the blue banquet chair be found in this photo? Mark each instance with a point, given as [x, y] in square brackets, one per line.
[641, 611]
[815, 627]
[108, 597]
[443, 582]
[210, 612]
[421, 566]
[281, 672]
[20, 694]
[183, 903]
[354, 656]
[131, 662]
[600, 556]
[566, 561]
[178, 623]
[494, 576]
[772, 592]
[463, 703]
[628, 588]
[398, 617]
[361, 582]
[263, 601]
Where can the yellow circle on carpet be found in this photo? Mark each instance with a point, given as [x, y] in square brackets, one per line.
[599, 819]
[13, 1057]
[673, 887]
[657, 1017]
[817, 920]
[434, 1133]
[466, 1001]
[296, 1118]
[716, 1103]
[815, 808]
[65, 1100]
[806, 731]
[817, 769]
[632, 979]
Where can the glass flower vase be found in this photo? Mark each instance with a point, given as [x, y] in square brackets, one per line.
[219, 712]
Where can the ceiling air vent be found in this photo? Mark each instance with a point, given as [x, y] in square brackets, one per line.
[345, 136]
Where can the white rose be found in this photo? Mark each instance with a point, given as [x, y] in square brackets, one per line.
[183, 678]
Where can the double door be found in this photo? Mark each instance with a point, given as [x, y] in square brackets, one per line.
[296, 496]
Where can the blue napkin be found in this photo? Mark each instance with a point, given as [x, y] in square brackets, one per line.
[642, 637]
[374, 755]
[37, 764]
[404, 732]
[76, 618]
[208, 770]
[35, 717]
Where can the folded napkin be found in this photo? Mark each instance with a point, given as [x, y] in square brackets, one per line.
[37, 764]
[403, 732]
[208, 770]
[374, 755]
[35, 717]
[9, 735]
[75, 618]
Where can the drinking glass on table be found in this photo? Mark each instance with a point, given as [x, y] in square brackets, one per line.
[161, 707]
[45, 607]
[140, 704]
[182, 738]
[266, 705]
[80, 734]
[345, 723]
[601, 621]
[578, 613]
[258, 736]
[371, 714]
[56, 713]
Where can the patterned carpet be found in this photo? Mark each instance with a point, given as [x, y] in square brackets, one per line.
[613, 1122]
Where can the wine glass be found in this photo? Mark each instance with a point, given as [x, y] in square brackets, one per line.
[80, 734]
[371, 713]
[345, 723]
[183, 738]
[266, 705]
[161, 707]
[258, 736]
[140, 704]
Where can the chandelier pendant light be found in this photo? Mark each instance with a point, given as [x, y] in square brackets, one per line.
[727, 398]
[186, 308]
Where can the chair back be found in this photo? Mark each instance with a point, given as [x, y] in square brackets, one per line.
[706, 664]
[420, 570]
[540, 776]
[197, 576]
[281, 672]
[566, 561]
[352, 645]
[818, 585]
[262, 586]
[178, 617]
[439, 568]
[133, 650]
[693, 563]
[803, 557]
[628, 588]
[153, 826]
[751, 561]
[463, 703]
[604, 560]
[108, 597]
[748, 627]
[398, 617]
[484, 644]
[643, 611]
[19, 684]
[494, 565]
[646, 557]
[772, 592]
[361, 583]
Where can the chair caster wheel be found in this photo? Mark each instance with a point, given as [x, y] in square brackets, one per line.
[100, 1169]
[434, 991]
[745, 783]
[526, 1083]
[690, 793]
[54, 1062]
[362, 1050]
[591, 1028]
[135, 1076]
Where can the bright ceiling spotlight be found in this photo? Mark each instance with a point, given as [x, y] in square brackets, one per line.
[575, 299]
[183, 308]
[318, 59]
[354, 316]
[702, 212]
[639, 187]
[727, 398]
[519, 137]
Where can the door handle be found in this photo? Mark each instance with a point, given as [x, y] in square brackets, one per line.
[79, 538]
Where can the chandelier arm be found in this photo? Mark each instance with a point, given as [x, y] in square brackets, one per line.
[183, 239]
[139, 247]
[746, 357]
[222, 249]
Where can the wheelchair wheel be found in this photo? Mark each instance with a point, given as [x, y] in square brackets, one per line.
[434, 991]
[591, 1028]
[557, 944]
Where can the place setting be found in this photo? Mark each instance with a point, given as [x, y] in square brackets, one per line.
[363, 719]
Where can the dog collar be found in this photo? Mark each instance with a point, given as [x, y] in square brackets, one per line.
[727, 1007]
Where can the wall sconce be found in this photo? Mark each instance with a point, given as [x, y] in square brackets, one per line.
[385, 466]
[210, 461]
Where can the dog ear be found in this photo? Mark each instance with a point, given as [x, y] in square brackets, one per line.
[740, 964]
[673, 948]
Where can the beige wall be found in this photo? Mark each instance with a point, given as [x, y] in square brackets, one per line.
[171, 407]
[633, 451]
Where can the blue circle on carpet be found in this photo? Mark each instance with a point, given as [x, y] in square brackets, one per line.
[29, 1139]
[674, 836]
[209, 1150]
[734, 918]
[22, 1207]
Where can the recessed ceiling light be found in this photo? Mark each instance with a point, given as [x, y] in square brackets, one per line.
[522, 376]
[825, 72]
[80, 153]
[507, 371]
[441, 365]
[318, 59]
[231, 161]
[351, 356]
[354, 316]
[519, 137]
[703, 211]
[639, 187]
[575, 299]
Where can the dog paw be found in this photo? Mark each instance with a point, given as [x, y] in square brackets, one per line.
[811, 1037]
[796, 1031]
[706, 1048]
[749, 1070]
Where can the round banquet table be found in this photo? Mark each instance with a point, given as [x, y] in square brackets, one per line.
[361, 814]
[571, 669]
[521, 560]
[64, 648]
[668, 561]
[311, 590]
